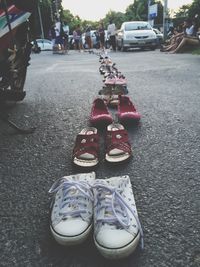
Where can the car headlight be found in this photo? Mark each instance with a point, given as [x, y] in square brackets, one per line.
[128, 37]
[125, 37]
[153, 36]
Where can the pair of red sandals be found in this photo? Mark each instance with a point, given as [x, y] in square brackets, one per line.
[87, 149]
[126, 111]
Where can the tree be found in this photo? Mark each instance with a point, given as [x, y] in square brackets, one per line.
[116, 17]
[46, 14]
[159, 18]
[188, 11]
[183, 11]
[139, 11]
[194, 9]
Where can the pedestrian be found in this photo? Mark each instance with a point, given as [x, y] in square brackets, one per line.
[77, 35]
[88, 39]
[66, 35]
[101, 32]
[59, 34]
[111, 34]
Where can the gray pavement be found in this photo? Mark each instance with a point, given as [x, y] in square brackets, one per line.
[164, 170]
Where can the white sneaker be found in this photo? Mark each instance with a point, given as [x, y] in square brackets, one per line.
[72, 208]
[117, 229]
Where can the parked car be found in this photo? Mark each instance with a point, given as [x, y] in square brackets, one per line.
[136, 34]
[159, 35]
[44, 44]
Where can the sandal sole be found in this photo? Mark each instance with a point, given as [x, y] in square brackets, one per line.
[85, 163]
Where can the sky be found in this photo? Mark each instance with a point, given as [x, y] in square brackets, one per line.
[96, 10]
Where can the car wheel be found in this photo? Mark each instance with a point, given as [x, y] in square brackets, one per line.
[152, 48]
[123, 48]
[118, 47]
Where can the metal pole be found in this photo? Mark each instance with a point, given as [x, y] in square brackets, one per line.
[40, 18]
[164, 19]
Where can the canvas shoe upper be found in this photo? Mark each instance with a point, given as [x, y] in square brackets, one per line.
[72, 208]
[117, 229]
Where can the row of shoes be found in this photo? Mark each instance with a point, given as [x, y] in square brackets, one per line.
[82, 204]
[106, 64]
[112, 76]
[86, 152]
[115, 83]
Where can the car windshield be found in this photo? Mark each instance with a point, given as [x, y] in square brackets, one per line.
[137, 26]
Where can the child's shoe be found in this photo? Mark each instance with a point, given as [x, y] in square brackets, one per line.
[117, 229]
[72, 208]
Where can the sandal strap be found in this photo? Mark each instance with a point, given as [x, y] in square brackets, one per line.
[118, 139]
[90, 145]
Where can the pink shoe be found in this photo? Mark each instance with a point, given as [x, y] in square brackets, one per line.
[121, 81]
[126, 109]
[110, 80]
[99, 113]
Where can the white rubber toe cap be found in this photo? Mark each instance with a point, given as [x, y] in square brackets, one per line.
[71, 227]
[113, 238]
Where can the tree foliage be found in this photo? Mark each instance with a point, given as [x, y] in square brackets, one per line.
[194, 10]
[46, 15]
[188, 11]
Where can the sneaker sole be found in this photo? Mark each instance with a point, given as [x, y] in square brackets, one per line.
[118, 253]
[71, 240]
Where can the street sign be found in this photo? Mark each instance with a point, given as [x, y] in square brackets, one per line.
[153, 11]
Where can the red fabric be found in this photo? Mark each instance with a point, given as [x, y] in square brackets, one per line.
[126, 109]
[113, 141]
[100, 112]
[90, 146]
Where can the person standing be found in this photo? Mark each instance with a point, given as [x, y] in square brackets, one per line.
[111, 34]
[66, 34]
[77, 35]
[88, 38]
[101, 32]
[59, 34]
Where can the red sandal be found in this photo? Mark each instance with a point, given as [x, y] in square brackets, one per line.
[86, 149]
[118, 147]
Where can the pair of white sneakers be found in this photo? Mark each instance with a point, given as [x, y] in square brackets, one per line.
[82, 202]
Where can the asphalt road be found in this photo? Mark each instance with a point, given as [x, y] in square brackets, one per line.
[164, 169]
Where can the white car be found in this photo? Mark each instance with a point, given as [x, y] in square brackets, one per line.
[136, 34]
[44, 44]
[159, 35]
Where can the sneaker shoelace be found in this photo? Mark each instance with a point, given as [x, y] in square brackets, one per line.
[115, 208]
[74, 194]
